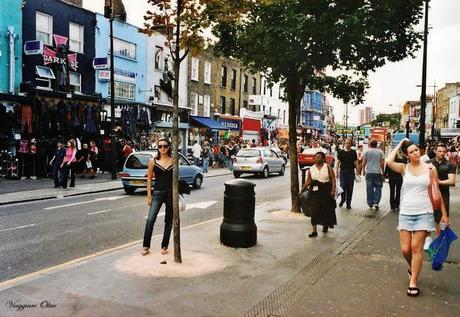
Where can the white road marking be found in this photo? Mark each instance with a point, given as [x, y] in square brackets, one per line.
[20, 227]
[85, 202]
[201, 205]
[98, 212]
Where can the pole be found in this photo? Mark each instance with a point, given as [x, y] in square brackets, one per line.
[433, 111]
[346, 120]
[423, 94]
[112, 98]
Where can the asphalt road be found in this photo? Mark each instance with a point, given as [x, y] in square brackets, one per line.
[41, 234]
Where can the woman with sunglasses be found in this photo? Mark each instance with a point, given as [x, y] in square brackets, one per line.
[162, 168]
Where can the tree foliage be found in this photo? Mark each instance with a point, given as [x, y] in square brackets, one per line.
[294, 41]
[393, 120]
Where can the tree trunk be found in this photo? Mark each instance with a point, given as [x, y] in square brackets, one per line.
[292, 90]
[175, 140]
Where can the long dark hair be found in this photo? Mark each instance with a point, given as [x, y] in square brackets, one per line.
[169, 153]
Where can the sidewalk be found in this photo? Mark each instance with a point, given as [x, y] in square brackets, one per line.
[16, 191]
[354, 270]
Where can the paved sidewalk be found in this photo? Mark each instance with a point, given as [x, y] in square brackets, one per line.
[16, 191]
[354, 270]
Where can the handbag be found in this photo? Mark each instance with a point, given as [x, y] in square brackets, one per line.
[434, 192]
[304, 203]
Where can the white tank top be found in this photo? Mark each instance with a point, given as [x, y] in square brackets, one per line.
[320, 175]
[414, 194]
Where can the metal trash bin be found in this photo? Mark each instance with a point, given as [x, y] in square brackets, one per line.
[238, 229]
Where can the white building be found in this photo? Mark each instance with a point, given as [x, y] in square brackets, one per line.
[454, 111]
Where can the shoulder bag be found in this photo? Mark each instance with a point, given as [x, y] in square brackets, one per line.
[433, 191]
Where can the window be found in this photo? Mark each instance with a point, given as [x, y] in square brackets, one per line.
[124, 48]
[233, 81]
[75, 81]
[207, 72]
[44, 72]
[222, 104]
[279, 113]
[207, 106]
[254, 86]
[245, 104]
[76, 37]
[232, 106]
[263, 109]
[44, 28]
[194, 103]
[284, 116]
[158, 57]
[195, 69]
[271, 91]
[124, 90]
[265, 87]
[223, 76]
[245, 83]
[270, 111]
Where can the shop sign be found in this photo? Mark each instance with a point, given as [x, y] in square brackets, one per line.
[104, 75]
[125, 76]
[50, 57]
[233, 125]
[33, 48]
[100, 63]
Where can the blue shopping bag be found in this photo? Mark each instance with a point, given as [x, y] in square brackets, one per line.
[439, 248]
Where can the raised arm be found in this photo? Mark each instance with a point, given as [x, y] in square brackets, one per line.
[397, 167]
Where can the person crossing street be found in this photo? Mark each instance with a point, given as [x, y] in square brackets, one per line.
[373, 170]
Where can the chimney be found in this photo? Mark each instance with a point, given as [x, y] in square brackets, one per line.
[118, 9]
[77, 3]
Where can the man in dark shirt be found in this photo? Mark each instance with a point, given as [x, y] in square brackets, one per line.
[347, 161]
[56, 162]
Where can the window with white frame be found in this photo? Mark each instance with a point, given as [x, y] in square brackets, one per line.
[124, 90]
[75, 81]
[44, 28]
[76, 37]
[195, 69]
[45, 75]
[124, 48]
[194, 103]
[207, 72]
[207, 105]
[158, 57]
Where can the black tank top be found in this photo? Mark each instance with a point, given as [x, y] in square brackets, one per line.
[163, 177]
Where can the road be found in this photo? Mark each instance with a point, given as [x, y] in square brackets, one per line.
[41, 234]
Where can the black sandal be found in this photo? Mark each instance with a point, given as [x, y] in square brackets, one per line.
[314, 234]
[413, 291]
[325, 229]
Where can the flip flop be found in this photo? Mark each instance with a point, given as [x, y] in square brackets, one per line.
[413, 291]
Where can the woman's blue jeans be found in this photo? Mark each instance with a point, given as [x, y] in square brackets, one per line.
[160, 197]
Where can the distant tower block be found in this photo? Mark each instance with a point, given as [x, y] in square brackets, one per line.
[118, 9]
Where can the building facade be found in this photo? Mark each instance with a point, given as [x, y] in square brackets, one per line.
[454, 112]
[443, 96]
[312, 109]
[366, 115]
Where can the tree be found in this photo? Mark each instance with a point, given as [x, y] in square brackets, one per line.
[294, 41]
[393, 120]
[182, 22]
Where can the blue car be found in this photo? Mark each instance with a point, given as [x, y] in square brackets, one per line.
[134, 173]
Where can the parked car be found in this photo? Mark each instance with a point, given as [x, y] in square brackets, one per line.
[307, 157]
[258, 160]
[134, 174]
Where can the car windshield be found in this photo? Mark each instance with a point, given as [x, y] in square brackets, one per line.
[248, 153]
[138, 161]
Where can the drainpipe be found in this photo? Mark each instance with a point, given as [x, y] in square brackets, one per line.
[11, 38]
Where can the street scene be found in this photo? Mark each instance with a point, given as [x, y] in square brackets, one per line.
[221, 158]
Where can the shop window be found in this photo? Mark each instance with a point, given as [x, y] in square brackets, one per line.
[232, 106]
[76, 37]
[207, 72]
[75, 81]
[223, 75]
[195, 69]
[158, 57]
[222, 104]
[123, 90]
[194, 103]
[207, 105]
[44, 28]
[233, 81]
[124, 48]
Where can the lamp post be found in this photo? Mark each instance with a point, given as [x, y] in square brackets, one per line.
[423, 94]
[433, 111]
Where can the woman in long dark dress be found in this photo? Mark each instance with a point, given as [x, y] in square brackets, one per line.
[321, 186]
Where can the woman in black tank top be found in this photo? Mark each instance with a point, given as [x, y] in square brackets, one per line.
[161, 167]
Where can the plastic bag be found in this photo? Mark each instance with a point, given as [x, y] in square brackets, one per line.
[439, 248]
[338, 191]
[89, 165]
[181, 203]
[304, 202]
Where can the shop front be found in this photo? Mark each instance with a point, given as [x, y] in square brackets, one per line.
[251, 130]
[162, 124]
[232, 127]
[204, 129]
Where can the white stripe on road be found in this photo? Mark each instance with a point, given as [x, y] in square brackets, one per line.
[84, 202]
[98, 212]
[20, 227]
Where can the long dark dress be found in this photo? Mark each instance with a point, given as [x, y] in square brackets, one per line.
[322, 204]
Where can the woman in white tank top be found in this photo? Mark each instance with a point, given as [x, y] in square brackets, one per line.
[416, 211]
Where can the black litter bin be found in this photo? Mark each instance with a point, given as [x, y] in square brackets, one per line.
[238, 229]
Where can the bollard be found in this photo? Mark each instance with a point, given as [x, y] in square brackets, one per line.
[238, 229]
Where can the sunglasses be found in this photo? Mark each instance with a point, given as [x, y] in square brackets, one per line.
[165, 146]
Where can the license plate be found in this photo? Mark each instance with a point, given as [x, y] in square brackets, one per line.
[137, 182]
[245, 168]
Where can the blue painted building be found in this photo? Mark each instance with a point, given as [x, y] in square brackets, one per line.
[312, 108]
[10, 46]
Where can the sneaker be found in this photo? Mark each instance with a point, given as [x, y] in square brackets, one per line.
[371, 207]
[348, 206]
[376, 206]
[341, 203]
[428, 241]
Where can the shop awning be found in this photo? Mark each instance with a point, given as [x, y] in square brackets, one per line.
[208, 122]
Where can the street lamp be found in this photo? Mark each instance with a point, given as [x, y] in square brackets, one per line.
[423, 94]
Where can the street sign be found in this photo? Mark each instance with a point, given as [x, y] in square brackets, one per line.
[100, 63]
[33, 48]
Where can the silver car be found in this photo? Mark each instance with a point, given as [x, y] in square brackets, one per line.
[258, 160]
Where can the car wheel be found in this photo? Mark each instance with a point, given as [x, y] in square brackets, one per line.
[283, 169]
[198, 181]
[129, 190]
[265, 172]
[236, 174]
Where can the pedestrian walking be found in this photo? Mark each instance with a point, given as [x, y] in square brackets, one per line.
[416, 214]
[453, 157]
[196, 153]
[56, 163]
[447, 177]
[93, 158]
[360, 153]
[68, 165]
[320, 184]
[162, 168]
[82, 161]
[347, 161]
[395, 182]
[127, 149]
[373, 168]
[207, 154]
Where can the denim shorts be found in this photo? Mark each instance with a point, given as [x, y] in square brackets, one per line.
[421, 222]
